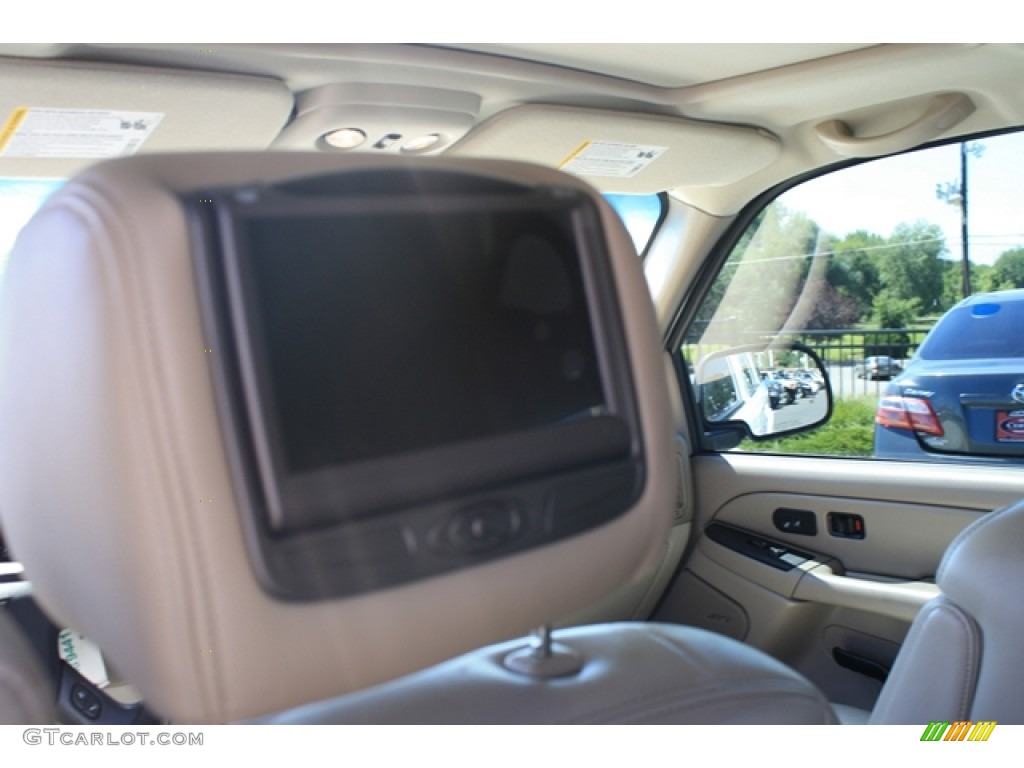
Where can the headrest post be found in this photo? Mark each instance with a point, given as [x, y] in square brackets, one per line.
[544, 659]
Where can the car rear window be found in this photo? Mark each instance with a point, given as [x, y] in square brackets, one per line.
[977, 331]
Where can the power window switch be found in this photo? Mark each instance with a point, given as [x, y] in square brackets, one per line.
[799, 521]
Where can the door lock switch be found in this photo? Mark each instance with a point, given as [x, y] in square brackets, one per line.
[845, 526]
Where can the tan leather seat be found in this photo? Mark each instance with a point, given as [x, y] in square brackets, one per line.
[631, 674]
[116, 491]
[960, 660]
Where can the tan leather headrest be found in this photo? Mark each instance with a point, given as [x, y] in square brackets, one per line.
[115, 490]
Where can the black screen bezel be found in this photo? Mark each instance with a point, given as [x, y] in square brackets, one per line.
[303, 553]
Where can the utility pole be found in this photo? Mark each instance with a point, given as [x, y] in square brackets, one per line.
[955, 193]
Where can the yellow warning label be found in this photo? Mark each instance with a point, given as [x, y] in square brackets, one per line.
[37, 132]
[574, 154]
[11, 126]
[611, 158]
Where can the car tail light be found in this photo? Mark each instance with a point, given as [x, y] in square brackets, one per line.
[908, 413]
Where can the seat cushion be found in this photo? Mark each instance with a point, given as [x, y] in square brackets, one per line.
[632, 673]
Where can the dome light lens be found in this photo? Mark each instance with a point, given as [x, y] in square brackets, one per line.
[345, 138]
[422, 143]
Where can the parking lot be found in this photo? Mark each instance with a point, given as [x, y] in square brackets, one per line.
[846, 384]
[804, 411]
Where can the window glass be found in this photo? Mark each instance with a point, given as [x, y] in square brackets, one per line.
[641, 214]
[19, 199]
[861, 265]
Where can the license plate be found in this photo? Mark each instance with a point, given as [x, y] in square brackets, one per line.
[1010, 426]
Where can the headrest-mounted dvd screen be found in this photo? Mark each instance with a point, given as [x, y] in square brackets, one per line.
[416, 371]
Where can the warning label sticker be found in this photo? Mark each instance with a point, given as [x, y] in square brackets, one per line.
[81, 133]
[83, 655]
[608, 158]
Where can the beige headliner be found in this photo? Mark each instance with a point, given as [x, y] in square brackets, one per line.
[784, 89]
[668, 65]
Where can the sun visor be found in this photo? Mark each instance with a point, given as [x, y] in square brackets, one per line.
[628, 153]
[56, 118]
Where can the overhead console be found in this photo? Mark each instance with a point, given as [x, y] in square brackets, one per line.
[416, 371]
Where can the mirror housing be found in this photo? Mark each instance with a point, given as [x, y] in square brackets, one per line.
[761, 392]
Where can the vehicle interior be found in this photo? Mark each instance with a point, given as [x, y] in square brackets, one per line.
[614, 540]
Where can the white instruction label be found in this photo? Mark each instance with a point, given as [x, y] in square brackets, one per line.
[84, 656]
[81, 133]
[609, 158]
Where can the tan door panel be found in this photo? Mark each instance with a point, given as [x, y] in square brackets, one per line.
[895, 598]
[900, 539]
[840, 596]
[720, 478]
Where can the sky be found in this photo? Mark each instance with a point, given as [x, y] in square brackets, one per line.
[877, 196]
[19, 199]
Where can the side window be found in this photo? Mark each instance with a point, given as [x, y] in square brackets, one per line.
[906, 276]
[641, 214]
[19, 199]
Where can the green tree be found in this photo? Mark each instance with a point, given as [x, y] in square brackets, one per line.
[1008, 270]
[911, 267]
[953, 286]
[762, 281]
[853, 268]
[891, 311]
[832, 310]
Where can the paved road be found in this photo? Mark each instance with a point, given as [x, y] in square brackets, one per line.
[806, 410]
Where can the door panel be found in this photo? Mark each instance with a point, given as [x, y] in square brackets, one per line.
[887, 528]
[801, 597]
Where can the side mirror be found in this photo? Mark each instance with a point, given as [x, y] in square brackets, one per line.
[761, 392]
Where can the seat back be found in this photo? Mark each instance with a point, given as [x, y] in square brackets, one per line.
[959, 661]
[116, 479]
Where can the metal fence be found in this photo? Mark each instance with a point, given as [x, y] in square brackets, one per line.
[843, 352]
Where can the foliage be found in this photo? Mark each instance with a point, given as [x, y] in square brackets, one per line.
[1007, 271]
[911, 268]
[853, 268]
[786, 274]
[953, 283]
[832, 309]
[760, 283]
[890, 311]
[850, 432]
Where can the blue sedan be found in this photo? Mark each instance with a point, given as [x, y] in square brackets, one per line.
[962, 395]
